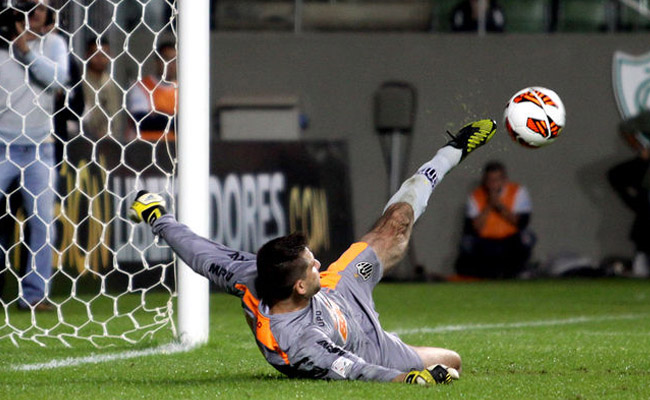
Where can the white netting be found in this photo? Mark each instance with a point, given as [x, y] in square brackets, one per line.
[110, 125]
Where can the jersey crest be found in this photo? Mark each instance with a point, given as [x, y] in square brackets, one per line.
[365, 270]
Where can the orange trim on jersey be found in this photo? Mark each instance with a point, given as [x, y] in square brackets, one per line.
[331, 277]
[152, 136]
[263, 324]
[497, 227]
[339, 319]
[162, 95]
[163, 98]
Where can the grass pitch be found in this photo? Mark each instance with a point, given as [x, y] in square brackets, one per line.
[567, 339]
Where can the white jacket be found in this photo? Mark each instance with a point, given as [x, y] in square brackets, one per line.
[27, 86]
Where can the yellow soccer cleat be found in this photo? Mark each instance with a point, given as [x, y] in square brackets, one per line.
[434, 375]
[147, 207]
[473, 135]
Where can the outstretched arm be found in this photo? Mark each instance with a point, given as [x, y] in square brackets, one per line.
[222, 265]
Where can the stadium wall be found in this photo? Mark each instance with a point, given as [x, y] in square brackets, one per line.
[458, 78]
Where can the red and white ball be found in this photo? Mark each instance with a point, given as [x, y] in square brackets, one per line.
[534, 117]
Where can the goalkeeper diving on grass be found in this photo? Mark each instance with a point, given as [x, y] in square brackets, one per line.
[323, 325]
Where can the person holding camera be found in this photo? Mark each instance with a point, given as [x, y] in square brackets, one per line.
[33, 66]
[496, 242]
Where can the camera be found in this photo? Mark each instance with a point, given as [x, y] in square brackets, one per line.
[10, 14]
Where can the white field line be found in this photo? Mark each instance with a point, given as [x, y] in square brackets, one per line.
[178, 348]
[523, 324]
[99, 358]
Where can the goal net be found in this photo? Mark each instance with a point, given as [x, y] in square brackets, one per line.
[73, 267]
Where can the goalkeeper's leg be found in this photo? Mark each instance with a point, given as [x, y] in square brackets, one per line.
[438, 355]
[390, 235]
[416, 190]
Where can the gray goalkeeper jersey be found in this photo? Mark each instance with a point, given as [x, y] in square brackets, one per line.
[337, 336]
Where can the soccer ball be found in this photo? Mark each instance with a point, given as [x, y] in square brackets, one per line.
[534, 117]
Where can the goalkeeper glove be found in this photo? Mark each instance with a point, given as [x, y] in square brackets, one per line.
[436, 374]
[147, 207]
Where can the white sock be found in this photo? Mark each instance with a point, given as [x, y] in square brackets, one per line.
[417, 189]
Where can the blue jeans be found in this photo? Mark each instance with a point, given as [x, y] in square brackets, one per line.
[33, 167]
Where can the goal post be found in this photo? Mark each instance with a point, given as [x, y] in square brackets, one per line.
[193, 160]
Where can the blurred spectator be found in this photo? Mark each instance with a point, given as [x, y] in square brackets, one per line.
[66, 115]
[631, 180]
[31, 70]
[464, 17]
[496, 243]
[101, 95]
[152, 101]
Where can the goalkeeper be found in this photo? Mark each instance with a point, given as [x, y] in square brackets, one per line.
[323, 324]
